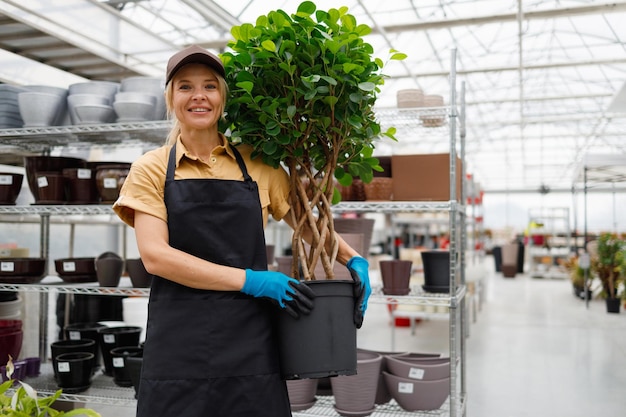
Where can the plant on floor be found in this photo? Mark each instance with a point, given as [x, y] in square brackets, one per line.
[577, 276]
[303, 87]
[608, 263]
[24, 401]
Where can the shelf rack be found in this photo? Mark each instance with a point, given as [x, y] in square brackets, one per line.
[152, 133]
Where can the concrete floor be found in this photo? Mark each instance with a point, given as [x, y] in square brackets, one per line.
[534, 350]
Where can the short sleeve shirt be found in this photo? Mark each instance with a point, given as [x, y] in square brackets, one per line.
[144, 186]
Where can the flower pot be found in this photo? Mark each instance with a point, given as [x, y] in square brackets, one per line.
[109, 180]
[50, 188]
[61, 347]
[109, 271]
[322, 343]
[139, 277]
[613, 305]
[509, 254]
[379, 189]
[81, 186]
[396, 276]
[302, 393]
[436, 270]
[113, 337]
[10, 187]
[77, 331]
[361, 225]
[121, 376]
[133, 368]
[414, 395]
[356, 394]
[382, 394]
[73, 371]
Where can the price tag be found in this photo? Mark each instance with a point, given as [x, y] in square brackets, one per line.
[63, 366]
[416, 373]
[584, 262]
[83, 174]
[74, 335]
[6, 180]
[405, 388]
[109, 338]
[118, 362]
[109, 182]
[42, 182]
[7, 266]
[69, 266]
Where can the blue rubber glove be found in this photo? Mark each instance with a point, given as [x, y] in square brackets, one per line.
[290, 294]
[358, 267]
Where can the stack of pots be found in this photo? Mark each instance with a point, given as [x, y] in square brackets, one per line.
[118, 344]
[418, 382]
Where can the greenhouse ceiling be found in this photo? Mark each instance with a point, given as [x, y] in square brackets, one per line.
[543, 80]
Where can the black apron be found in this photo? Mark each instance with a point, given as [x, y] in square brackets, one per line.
[212, 353]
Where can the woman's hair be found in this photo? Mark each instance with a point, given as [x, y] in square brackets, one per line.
[171, 115]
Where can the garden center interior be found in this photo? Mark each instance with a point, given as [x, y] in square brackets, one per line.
[509, 152]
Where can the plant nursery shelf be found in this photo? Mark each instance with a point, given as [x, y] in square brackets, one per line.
[324, 406]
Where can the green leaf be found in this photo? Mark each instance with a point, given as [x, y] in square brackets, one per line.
[398, 56]
[246, 85]
[268, 45]
[306, 8]
[367, 86]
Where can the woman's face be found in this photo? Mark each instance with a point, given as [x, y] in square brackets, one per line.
[196, 97]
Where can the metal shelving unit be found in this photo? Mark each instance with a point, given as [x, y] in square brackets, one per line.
[103, 391]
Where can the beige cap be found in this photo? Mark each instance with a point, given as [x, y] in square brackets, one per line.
[193, 54]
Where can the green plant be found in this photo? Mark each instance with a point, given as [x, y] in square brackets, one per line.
[303, 87]
[608, 264]
[24, 401]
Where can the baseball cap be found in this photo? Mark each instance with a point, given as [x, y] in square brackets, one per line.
[193, 54]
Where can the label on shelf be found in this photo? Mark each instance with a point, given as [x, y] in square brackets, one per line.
[7, 266]
[69, 266]
[108, 338]
[416, 373]
[63, 366]
[6, 180]
[74, 335]
[109, 182]
[42, 182]
[83, 173]
[118, 362]
[405, 388]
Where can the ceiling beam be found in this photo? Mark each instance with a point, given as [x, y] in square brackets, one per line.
[611, 7]
[213, 13]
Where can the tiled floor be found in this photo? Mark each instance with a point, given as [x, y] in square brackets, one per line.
[534, 350]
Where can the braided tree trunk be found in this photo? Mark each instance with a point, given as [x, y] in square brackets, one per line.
[310, 199]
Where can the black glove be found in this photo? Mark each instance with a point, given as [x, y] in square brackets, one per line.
[302, 300]
[358, 267]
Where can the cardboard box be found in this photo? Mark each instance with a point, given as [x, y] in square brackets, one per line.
[424, 177]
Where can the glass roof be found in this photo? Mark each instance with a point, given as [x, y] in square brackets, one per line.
[539, 75]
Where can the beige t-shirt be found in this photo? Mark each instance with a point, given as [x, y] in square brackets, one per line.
[143, 188]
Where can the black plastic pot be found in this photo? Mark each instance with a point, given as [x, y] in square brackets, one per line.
[76, 331]
[113, 337]
[436, 265]
[133, 368]
[119, 355]
[73, 371]
[322, 343]
[613, 305]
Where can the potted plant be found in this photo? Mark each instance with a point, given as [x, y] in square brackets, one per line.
[302, 91]
[25, 403]
[608, 265]
[581, 288]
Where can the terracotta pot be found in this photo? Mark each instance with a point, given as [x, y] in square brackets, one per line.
[379, 189]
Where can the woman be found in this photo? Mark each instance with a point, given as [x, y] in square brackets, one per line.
[199, 206]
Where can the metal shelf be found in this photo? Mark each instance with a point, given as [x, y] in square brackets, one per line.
[43, 138]
[102, 390]
[324, 406]
[54, 283]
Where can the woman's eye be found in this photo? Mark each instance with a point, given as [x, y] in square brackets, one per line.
[184, 87]
[211, 86]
